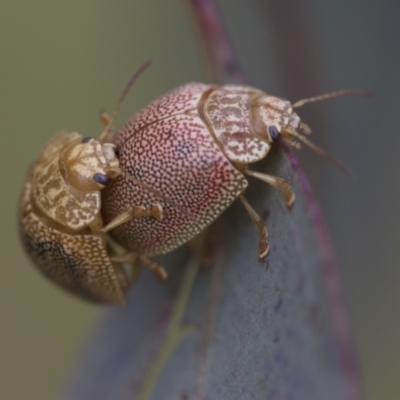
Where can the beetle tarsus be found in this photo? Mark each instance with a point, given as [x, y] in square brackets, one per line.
[143, 262]
[264, 250]
[155, 211]
[264, 247]
[157, 269]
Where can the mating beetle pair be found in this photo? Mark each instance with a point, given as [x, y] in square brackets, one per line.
[161, 179]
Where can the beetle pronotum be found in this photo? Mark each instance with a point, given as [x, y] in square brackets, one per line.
[167, 174]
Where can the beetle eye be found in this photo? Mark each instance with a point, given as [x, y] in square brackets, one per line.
[273, 132]
[101, 178]
[87, 139]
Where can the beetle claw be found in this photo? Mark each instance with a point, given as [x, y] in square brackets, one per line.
[264, 250]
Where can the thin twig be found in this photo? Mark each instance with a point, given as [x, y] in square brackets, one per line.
[177, 329]
[295, 48]
[209, 326]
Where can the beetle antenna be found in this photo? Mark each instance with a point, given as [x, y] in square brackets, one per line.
[121, 99]
[339, 93]
[322, 152]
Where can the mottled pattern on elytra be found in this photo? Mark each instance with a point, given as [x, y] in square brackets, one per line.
[58, 200]
[229, 114]
[78, 263]
[178, 158]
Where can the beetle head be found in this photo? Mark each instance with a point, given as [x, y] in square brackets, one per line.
[272, 116]
[89, 165]
[275, 120]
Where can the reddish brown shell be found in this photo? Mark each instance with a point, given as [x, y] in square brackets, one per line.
[169, 147]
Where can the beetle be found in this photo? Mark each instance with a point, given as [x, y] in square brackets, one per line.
[60, 222]
[194, 145]
[165, 176]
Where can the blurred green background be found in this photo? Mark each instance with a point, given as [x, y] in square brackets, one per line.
[63, 62]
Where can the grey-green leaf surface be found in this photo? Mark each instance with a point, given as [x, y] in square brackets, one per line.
[270, 330]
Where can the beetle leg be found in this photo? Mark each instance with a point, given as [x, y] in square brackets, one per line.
[105, 118]
[275, 181]
[145, 262]
[155, 211]
[126, 281]
[264, 247]
[154, 267]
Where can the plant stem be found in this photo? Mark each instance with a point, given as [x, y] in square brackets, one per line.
[222, 62]
[177, 330]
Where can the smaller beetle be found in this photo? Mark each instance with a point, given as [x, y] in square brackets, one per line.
[60, 223]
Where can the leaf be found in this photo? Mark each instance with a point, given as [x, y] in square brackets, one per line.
[249, 330]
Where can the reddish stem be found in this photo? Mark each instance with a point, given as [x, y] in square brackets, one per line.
[221, 58]
[295, 48]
